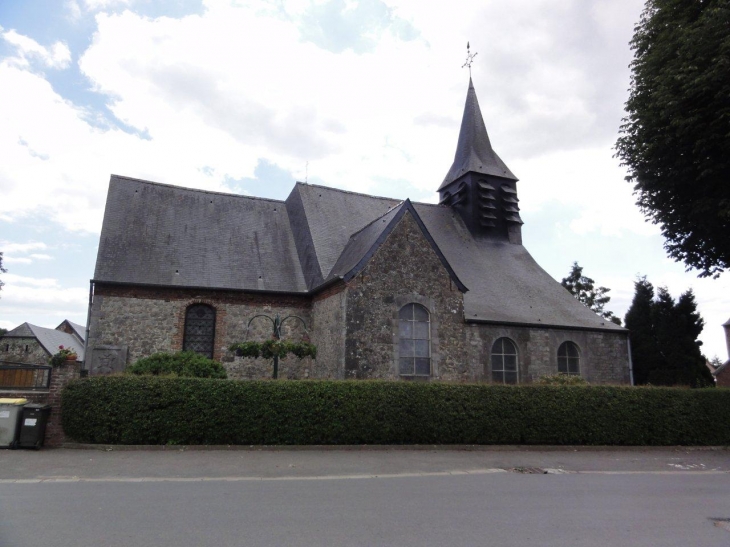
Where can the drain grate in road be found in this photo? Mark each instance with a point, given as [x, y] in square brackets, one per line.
[528, 470]
[721, 523]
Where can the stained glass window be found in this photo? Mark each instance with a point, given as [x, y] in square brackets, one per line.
[200, 329]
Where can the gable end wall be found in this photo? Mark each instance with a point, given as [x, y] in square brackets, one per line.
[404, 269]
[16, 353]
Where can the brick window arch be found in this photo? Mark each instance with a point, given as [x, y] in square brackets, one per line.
[568, 359]
[504, 361]
[200, 329]
[414, 341]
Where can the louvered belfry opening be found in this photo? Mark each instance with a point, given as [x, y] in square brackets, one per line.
[479, 185]
[200, 329]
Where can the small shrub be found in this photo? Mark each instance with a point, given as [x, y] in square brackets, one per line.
[561, 379]
[187, 364]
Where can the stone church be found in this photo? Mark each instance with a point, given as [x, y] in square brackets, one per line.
[384, 288]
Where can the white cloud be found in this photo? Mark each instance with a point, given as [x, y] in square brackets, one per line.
[41, 301]
[16, 260]
[8, 247]
[56, 56]
[73, 9]
[95, 5]
[12, 250]
[21, 280]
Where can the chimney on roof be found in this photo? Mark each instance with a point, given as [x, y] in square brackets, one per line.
[726, 326]
[479, 186]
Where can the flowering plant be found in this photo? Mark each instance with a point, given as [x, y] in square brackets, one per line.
[63, 354]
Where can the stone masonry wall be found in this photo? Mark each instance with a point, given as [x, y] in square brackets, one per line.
[328, 332]
[150, 320]
[13, 350]
[404, 269]
[603, 355]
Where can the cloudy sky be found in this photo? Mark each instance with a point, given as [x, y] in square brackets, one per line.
[365, 95]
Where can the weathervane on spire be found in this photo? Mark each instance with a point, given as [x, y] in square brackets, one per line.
[469, 59]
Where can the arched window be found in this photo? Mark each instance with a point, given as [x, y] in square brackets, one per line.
[504, 362]
[568, 358]
[199, 329]
[414, 341]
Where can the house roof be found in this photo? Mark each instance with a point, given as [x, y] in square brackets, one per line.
[226, 241]
[79, 330]
[49, 339]
[722, 368]
[474, 151]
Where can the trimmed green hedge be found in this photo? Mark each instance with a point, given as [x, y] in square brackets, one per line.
[153, 410]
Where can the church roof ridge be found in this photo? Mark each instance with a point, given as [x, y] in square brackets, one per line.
[384, 198]
[399, 204]
[363, 194]
[474, 152]
[198, 190]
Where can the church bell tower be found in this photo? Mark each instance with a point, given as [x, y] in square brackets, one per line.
[479, 186]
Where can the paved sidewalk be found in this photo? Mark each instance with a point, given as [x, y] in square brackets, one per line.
[120, 463]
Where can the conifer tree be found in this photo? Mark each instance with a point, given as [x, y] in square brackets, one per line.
[664, 345]
[639, 321]
[584, 290]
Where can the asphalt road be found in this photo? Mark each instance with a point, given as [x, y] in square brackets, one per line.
[63, 498]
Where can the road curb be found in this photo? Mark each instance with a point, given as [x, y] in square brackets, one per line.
[376, 448]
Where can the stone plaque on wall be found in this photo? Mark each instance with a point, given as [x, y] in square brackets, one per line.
[108, 359]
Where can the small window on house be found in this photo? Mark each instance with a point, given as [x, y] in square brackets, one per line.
[568, 358]
[27, 349]
[7, 347]
[200, 329]
[414, 341]
[504, 362]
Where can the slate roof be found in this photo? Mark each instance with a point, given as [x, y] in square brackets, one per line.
[332, 216]
[80, 330]
[364, 243]
[319, 234]
[505, 283]
[474, 152]
[49, 339]
[156, 234]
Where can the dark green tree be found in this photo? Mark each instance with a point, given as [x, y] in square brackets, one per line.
[584, 289]
[639, 321]
[675, 138]
[664, 345]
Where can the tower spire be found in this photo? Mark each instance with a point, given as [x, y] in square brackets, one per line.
[474, 152]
